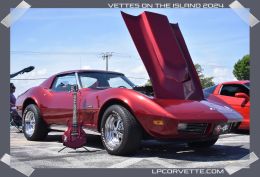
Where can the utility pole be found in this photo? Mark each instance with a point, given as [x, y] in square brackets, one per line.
[106, 56]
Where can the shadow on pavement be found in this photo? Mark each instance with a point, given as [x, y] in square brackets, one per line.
[173, 150]
[183, 152]
[243, 132]
[93, 141]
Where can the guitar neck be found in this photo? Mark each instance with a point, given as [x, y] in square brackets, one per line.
[75, 109]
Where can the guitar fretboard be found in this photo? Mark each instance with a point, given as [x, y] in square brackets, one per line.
[75, 112]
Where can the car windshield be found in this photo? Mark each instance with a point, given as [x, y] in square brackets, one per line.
[99, 80]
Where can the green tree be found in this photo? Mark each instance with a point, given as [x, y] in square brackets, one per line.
[241, 68]
[205, 81]
[148, 83]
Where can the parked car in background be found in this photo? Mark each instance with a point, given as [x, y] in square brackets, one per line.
[237, 95]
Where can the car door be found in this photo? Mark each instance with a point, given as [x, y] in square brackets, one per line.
[60, 99]
[88, 103]
[227, 94]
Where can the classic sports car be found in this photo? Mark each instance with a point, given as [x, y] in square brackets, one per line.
[236, 94]
[123, 113]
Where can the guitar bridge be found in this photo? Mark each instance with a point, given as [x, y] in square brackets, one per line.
[74, 134]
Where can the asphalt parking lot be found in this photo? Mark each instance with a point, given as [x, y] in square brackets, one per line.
[229, 149]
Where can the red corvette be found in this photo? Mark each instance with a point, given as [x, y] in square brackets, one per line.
[236, 94]
[123, 113]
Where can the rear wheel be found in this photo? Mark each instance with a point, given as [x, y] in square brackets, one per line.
[120, 132]
[34, 128]
[203, 144]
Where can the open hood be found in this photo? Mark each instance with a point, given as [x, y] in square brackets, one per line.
[165, 55]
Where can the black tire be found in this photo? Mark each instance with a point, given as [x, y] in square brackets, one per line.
[41, 129]
[203, 144]
[132, 131]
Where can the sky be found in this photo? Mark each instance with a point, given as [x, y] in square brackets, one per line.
[55, 40]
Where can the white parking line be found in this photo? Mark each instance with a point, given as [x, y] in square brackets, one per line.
[126, 163]
[45, 155]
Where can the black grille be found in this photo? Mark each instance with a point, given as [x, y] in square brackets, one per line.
[197, 128]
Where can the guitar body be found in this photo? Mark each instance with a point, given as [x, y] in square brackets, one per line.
[74, 137]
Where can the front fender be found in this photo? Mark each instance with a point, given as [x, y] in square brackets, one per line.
[144, 108]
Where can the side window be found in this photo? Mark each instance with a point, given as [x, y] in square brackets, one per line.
[88, 82]
[93, 80]
[63, 83]
[231, 90]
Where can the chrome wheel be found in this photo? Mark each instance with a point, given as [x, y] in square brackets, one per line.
[114, 130]
[29, 123]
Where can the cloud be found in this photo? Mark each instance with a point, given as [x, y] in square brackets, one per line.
[222, 75]
[23, 85]
[139, 70]
[138, 74]
[62, 14]
[86, 67]
[41, 72]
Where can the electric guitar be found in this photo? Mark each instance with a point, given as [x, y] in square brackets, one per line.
[74, 137]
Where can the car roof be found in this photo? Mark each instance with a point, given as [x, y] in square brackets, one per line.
[237, 82]
[88, 70]
[47, 83]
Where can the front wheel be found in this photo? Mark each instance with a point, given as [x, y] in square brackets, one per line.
[203, 144]
[120, 132]
[34, 128]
